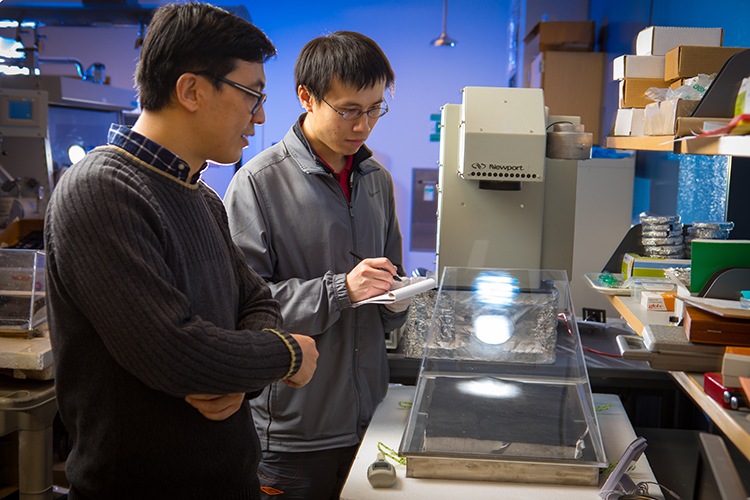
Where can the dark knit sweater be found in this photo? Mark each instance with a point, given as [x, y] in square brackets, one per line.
[149, 301]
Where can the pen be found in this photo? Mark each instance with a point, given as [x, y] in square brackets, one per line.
[395, 277]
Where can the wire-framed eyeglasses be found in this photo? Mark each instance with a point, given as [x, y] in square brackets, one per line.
[261, 97]
[354, 114]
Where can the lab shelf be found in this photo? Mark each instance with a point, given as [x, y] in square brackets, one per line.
[646, 143]
[726, 145]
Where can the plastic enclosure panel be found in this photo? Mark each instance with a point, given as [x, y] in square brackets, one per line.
[503, 393]
[22, 291]
[502, 134]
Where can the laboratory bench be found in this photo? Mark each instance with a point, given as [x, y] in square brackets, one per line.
[387, 427]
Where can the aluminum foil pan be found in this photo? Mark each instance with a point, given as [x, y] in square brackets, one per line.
[711, 234]
[729, 225]
[665, 251]
[659, 219]
[652, 242]
[661, 234]
[676, 227]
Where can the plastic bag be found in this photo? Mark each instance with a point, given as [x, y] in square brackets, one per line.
[692, 90]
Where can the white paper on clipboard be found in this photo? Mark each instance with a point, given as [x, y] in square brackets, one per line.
[415, 286]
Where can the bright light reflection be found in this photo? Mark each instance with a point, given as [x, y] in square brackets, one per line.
[489, 388]
[14, 70]
[493, 329]
[496, 288]
[5, 23]
[11, 48]
[76, 153]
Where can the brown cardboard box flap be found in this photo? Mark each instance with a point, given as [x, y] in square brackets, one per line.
[688, 125]
[563, 35]
[633, 91]
[660, 118]
[686, 61]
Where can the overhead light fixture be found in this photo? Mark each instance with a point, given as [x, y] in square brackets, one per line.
[444, 40]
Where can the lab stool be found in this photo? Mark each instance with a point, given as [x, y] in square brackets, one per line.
[29, 407]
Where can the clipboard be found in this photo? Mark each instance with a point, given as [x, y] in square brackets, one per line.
[415, 286]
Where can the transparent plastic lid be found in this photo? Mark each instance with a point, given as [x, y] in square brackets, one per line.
[22, 291]
[503, 375]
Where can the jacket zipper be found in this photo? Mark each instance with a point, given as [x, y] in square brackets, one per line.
[355, 358]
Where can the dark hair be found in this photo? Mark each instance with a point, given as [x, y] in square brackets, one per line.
[194, 37]
[351, 57]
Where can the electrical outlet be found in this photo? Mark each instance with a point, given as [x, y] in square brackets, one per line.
[598, 315]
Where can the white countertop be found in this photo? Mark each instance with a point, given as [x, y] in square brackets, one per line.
[388, 425]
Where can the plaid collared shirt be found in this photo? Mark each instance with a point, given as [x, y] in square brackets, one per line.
[150, 152]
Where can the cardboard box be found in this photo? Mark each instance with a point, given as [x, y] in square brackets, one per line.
[633, 91]
[628, 66]
[562, 35]
[688, 125]
[687, 61]
[660, 118]
[658, 40]
[635, 265]
[677, 83]
[734, 366]
[629, 122]
[657, 301]
[709, 256]
[573, 84]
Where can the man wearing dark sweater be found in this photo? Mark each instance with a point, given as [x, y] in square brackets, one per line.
[159, 329]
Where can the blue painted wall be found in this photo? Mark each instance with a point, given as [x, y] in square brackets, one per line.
[427, 77]
[664, 188]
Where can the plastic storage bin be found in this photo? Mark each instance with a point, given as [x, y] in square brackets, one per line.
[22, 292]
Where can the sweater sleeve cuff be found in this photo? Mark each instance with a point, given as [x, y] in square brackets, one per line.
[294, 350]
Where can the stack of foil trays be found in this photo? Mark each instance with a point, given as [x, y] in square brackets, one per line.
[662, 236]
[706, 231]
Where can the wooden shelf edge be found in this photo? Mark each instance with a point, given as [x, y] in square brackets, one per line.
[647, 143]
[720, 416]
[729, 145]
[626, 313]
[738, 145]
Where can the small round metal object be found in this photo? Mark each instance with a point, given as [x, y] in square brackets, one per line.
[569, 142]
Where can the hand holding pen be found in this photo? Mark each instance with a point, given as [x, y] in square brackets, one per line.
[395, 276]
[367, 278]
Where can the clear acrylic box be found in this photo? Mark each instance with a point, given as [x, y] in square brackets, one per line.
[503, 393]
[22, 292]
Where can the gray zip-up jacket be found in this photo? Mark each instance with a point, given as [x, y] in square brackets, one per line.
[289, 215]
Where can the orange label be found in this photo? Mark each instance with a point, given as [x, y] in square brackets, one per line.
[270, 491]
[744, 351]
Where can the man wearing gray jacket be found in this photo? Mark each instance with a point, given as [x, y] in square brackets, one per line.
[298, 210]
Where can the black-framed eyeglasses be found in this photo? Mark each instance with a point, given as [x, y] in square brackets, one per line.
[354, 114]
[261, 97]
